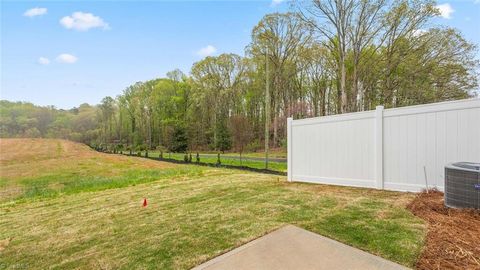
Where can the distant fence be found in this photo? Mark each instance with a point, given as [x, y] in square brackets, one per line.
[395, 149]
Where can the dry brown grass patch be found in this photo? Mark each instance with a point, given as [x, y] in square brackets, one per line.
[4, 243]
[35, 157]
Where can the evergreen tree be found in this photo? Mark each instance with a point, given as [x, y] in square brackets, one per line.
[179, 140]
[224, 138]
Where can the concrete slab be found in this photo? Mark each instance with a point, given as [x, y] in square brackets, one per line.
[291, 247]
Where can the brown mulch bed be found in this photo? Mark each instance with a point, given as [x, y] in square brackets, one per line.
[453, 238]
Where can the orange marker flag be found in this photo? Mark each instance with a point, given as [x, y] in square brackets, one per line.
[144, 202]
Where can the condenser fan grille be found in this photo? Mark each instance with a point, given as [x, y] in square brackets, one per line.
[462, 185]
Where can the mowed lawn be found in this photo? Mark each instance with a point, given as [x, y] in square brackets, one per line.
[48, 220]
[225, 159]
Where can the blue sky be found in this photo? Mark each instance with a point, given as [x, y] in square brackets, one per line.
[68, 53]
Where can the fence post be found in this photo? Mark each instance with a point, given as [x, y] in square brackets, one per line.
[289, 150]
[379, 147]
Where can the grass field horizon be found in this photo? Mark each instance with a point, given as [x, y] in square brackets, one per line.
[64, 206]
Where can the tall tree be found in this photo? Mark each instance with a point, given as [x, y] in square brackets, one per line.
[107, 110]
[279, 36]
[332, 19]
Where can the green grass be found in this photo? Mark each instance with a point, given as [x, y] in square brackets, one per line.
[89, 214]
[191, 219]
[274, 153]
[279, 152]
[275, 166]
[56, 184]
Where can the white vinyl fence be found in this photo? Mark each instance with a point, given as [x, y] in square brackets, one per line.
[396, 149]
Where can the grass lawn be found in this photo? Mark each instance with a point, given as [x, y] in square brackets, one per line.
[279, 152]
[194, 213]
[276, 166]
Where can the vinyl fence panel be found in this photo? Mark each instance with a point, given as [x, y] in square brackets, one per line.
[396, 149]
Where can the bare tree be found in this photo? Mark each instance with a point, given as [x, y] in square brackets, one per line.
[331, 19]
[280, 35]
[365, 26]
[242, 133]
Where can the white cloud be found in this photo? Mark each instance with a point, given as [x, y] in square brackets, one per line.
[445, 10]
[43, 61]
[81, 21]
[276, 2]
[419, 32]
[66, 58]
[35, 12]
[207, 51]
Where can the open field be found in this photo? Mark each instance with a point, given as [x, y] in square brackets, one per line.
[45, 168]
[56, 215]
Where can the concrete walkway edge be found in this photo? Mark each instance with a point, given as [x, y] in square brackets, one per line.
[291, 247]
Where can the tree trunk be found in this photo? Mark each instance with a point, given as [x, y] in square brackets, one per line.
[343, 102]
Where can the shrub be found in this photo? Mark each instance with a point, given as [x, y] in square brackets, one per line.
[161, 155]
[283, 143]
[185, 158]
[117, 148]
[142, 147]
[218, 160]
[146, 153]
[253, 146]
[190, 158]
[33, 133]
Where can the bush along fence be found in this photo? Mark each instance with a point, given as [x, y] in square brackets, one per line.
[188, 159]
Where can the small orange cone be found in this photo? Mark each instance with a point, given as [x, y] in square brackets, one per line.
[144, 202]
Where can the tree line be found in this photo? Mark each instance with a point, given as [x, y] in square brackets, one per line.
[321, 58]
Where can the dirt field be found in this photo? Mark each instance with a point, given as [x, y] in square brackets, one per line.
[453, 239]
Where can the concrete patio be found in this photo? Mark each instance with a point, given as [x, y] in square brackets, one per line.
[291, 247]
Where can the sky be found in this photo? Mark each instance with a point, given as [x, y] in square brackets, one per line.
[65, 53]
